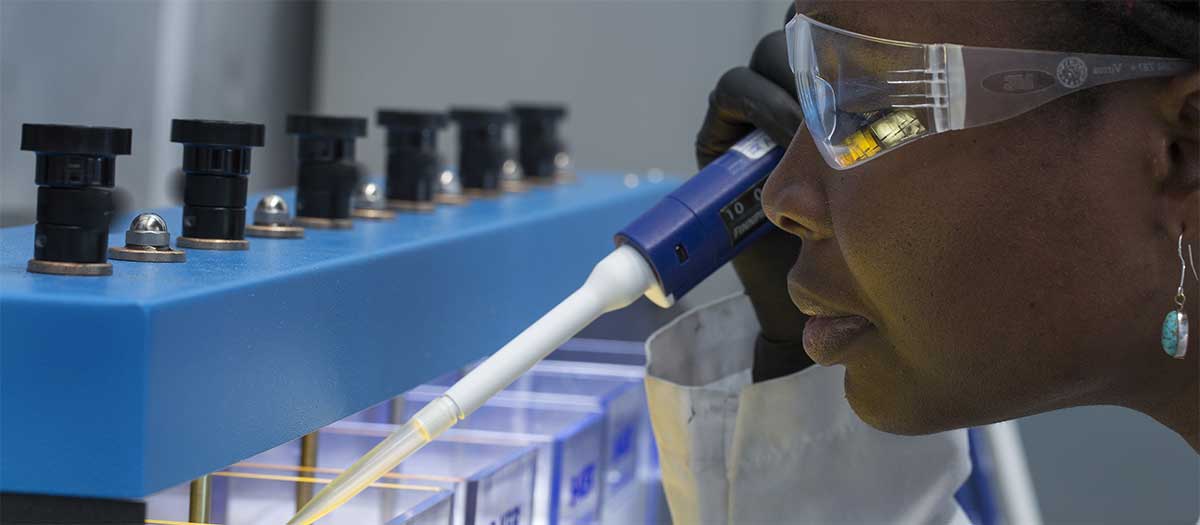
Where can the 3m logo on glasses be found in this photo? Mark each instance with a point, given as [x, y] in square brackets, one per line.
[1018, 82]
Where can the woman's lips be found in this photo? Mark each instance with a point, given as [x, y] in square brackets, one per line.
[826, 339]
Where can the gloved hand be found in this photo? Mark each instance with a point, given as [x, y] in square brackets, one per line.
[762, 96]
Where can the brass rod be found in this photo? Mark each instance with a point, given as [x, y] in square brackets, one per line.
[308, 459]
[200, 503]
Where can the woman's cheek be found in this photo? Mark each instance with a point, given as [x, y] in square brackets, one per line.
[918, 234]
[892, 242]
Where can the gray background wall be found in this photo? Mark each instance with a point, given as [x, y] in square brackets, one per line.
[635, 74]
[138, 64]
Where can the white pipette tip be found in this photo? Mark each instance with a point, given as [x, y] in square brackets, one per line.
[615, 282]
[433, 419]
[362, 474]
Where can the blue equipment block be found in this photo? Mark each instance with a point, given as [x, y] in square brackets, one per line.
[121, 386]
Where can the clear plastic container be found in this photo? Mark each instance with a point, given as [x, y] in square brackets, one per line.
[602, 351]
[618, 391]
[570, 442]
[606, 384]
[633, 481]
[633, 489]
[493, 483]
[620, 398]
[269, 496]
[646, 501]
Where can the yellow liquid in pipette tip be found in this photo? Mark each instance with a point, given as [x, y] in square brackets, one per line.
[391, 452]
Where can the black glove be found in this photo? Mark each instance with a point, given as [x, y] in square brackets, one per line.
[762, 96]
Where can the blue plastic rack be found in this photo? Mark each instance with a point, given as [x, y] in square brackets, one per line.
[120, 386]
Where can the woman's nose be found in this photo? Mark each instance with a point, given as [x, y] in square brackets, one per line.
[794, 197]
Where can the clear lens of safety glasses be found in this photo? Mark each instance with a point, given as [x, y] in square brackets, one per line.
[865, 96]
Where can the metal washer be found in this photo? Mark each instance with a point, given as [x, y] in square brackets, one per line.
[69, 268]
[152, 255]
[453, 199]
[514, 186]
[324, 223]
[275, 231]
[374, 214]
[482, 194]
[197, 243]
[540, 181]
[422, 206]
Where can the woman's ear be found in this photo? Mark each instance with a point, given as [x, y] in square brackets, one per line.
[1179, 160]
[1180, 110]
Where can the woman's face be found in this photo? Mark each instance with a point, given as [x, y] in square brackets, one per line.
[1005, 270]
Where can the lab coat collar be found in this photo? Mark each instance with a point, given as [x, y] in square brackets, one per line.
[788, 450]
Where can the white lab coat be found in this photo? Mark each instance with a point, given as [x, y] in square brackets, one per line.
[788, 450]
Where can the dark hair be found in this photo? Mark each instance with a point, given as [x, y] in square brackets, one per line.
[1170, 26]
[1129, 27]
[1124, 27]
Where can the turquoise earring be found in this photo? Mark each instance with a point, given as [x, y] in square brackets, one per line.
[1175, 326]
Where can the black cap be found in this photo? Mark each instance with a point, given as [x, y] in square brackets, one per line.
[59, 138]
[324, 126]
[479, 116]
[217, 132]
[524, 110]
[394, 118]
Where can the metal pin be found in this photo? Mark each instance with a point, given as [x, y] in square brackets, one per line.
[396, 414]
[200, 503]
[512, 179]
[308, 458]
[147, 240]
[272, 219]
[564, 170]
[370, 204]
[449, 190]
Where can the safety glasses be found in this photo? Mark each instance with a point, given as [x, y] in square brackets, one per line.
[865, 96]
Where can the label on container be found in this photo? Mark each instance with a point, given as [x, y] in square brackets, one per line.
[745, 214]
[510, 517]
[583, 483]
[624, 442]
[754, 145]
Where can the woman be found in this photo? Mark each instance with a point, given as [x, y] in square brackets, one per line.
[1023, 262]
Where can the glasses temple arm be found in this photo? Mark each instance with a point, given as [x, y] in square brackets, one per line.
[1001, 83]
